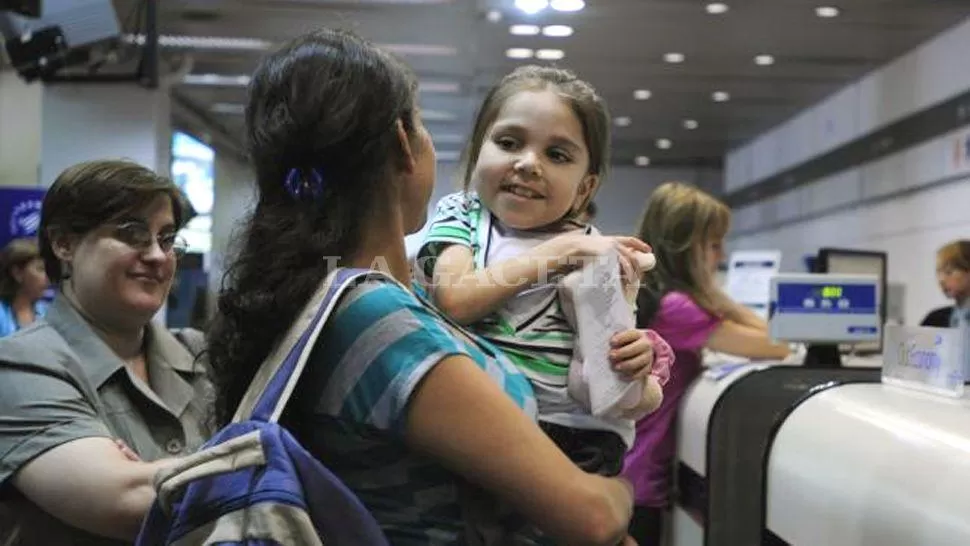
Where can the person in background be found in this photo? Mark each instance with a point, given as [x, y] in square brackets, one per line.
[96, 382]
[406, 408]
[953, 274]
[22, 285]
[680, 300]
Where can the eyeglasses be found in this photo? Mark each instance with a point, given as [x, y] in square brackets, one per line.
[139, 237]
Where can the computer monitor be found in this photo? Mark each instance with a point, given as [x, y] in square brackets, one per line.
[859, 262]
[824, 311]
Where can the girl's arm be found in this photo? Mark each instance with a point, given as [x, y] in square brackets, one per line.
[467, 295]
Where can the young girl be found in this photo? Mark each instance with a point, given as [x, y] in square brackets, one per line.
[537, 154]
[681, 301]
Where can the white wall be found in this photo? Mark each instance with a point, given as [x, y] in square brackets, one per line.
[95, 121]
[235, 194]
[20, 130]
[907, 204]
[921, 78]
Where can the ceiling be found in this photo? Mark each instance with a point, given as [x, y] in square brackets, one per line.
[458, 48]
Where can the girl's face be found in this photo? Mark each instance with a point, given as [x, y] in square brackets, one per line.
[533, 168]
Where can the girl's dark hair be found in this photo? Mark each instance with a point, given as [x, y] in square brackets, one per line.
[588, 106]
[327, 105]
[16, 255]
[91, 194]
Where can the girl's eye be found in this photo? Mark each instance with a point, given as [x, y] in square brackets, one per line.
[506, 143]
[559, 156]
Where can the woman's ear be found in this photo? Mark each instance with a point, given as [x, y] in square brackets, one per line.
[407, 160]
[62, 244]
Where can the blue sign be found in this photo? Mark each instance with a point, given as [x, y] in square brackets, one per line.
[19, 213]
[827, 299]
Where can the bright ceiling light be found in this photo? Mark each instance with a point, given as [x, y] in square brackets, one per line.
[228, 108]
[447, 155]
[717, 8]
[438, 87]
[493, 16]
[567, 5]
[557, 31]
[721, 96]
[642, 94]
[550, 54]
[691, 124]
[519, 53]
[437, 115]
[664, 143]
[217, 80]
[622, 121]
[641, 160]
[524, 30]
[531, 7]
[827, 11]
[674, 58]
[764, 60]
[203, 42]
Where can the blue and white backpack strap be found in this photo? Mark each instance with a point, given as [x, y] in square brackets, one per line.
[274, 383]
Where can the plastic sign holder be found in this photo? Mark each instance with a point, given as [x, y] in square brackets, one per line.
[925, 359]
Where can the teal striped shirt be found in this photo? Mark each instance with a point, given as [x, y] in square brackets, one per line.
[352, 407]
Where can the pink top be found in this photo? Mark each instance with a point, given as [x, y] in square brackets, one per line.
[686, 327]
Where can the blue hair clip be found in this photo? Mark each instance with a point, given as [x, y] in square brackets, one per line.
[304, 184]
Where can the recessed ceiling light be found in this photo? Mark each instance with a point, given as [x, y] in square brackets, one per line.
[550, 54]
[493, 16]
[557, 31]
[218, 80]
[674, 58]
[641, 160]
[439, 87]
[664, 143]
[622, 121]
[567, 5]
[524, 30]
[642, 94]
[437, 115]
[228, 108]
[531, 7]
[691, 124]
[764, 60]
[717, 8]
[721, 96]
[827, 11]
[519, 53]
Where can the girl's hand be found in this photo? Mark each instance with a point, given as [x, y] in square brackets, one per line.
[631, 354]
[570, 250]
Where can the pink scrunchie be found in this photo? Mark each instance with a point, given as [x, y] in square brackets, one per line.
[663, 357]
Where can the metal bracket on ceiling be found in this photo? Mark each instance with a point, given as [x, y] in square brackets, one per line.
[147, 72]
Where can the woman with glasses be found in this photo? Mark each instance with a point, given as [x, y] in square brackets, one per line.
[96, 387]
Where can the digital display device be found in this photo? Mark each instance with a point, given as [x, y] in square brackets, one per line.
[825, 308]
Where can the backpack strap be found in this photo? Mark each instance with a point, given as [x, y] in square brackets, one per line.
[276, 379]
